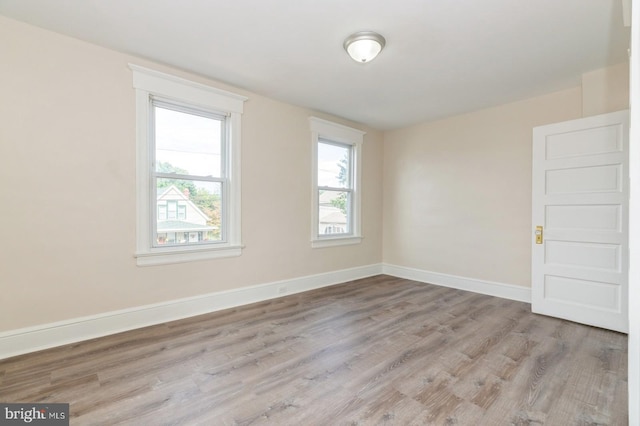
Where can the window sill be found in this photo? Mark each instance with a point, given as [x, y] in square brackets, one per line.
[335, 241]
[189, 255]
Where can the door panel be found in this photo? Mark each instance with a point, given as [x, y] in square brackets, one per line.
[584, 180]
[583, 293]
[599, 140]
[584, 217]
[605, 257]
[580, 198]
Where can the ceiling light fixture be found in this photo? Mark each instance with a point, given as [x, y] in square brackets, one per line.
[363, 46]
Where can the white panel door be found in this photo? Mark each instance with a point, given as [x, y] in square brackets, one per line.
[580, 199]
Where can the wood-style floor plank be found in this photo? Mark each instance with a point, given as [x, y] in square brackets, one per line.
[378, 351]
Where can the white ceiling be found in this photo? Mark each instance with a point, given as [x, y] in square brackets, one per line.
[443, 57]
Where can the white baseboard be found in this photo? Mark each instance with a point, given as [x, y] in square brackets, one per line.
[505, 291]
[31, 339]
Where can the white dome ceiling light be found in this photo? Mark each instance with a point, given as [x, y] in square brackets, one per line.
[364, 46]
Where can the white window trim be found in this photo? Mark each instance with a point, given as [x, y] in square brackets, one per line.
[323, 129]
[148, 83]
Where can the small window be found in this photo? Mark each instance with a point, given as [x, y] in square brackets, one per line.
[172, 210]
[336, 183]
[162, 211]
[182, 212]
[188, 169]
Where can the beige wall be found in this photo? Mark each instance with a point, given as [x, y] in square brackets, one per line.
[605, 90]
[457, 192]
[67, 189]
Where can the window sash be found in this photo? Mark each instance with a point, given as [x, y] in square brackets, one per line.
[349, 183]
[155, 175]
[186, 109]
[348, 189]
[348, 226]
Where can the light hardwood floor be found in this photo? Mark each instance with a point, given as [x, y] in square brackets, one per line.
[376, 351]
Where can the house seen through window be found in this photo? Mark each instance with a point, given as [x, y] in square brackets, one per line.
[188, 174]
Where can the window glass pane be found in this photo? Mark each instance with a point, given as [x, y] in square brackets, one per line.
[333, 212]
[182, 211]
[172, 209]
[162, 211]
[187, 144]
[193, 211]
[333, 165]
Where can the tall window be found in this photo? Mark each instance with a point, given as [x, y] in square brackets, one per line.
[188, 169]
[336, 183]
[189, 174]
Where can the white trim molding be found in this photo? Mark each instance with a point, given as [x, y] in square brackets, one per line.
[328, 132]
[633, 355]
[31, 339]
[333, 242]
[491, 288]
[149, 84]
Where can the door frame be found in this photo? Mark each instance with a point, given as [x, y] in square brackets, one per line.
[634, 221]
